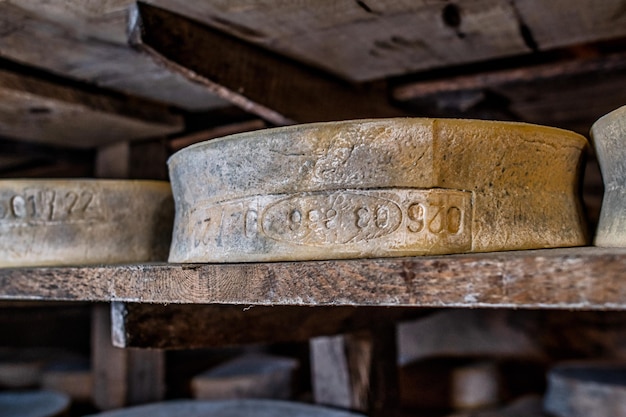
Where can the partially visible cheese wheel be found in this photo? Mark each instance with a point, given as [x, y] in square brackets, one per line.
[584, 389]
[372, 188]
[609, 139]
[228, 408]
[75, 222]
[33, 404]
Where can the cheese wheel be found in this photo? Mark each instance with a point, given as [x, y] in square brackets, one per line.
[71, 222]
[373, 188]
[609, 139]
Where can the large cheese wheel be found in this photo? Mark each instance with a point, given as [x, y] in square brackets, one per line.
[370, 188]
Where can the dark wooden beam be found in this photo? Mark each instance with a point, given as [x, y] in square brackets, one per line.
[275, 88]
[194, 326]
[569, 93]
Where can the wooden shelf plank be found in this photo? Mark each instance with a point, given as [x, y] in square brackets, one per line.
[575, 278]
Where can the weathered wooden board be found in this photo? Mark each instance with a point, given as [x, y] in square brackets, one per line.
[176, 326]
[180, 142]
[41, 111]
[88, 44]
[574, 278]
[232, 69]
[363, 40]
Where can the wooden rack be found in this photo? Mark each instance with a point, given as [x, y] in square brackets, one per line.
[111, 89]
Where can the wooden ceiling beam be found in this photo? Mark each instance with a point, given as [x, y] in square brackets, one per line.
[568, 93]
[271, 86]
[89, 50]
[38, 110]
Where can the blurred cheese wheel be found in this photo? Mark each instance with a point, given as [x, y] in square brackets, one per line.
[70, 222]
[609, 139]
[228, 408]
[33, 404]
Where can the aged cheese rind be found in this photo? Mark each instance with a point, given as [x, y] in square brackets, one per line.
[609, 139]
[370, 188]
[76, 222]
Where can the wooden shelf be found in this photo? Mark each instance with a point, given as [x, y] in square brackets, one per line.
[587, 278]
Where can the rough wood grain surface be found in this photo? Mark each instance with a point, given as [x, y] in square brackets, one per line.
[82, 51]
[41, 111]
[546, 93]
[364, 40]
[573, 278]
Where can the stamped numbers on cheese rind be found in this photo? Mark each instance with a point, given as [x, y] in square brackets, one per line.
[397, 219]
[48, 206]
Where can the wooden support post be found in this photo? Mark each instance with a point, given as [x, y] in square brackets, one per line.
[357, 371]
[385, 392]
[340, 370]
[123, 376]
